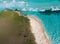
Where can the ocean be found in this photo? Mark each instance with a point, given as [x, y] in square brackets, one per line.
[51, 22]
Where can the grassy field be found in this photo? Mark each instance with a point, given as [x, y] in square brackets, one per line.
[15, 29]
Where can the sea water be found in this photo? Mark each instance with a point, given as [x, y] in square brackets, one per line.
[51, 22]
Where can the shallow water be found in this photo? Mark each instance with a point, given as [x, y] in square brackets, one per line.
[51, 22]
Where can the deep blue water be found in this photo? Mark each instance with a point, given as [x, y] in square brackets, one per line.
[51, 22]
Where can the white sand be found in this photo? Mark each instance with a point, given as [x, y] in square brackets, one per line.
[38, 32]
[19, 13]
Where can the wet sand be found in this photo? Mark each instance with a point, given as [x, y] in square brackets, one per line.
[38, 31]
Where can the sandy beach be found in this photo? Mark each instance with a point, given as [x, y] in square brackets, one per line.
[18, 13]
[38, 31]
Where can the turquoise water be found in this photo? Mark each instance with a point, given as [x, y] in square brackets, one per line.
[51, 22]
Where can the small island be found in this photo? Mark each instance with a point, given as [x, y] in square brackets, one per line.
[18, 29]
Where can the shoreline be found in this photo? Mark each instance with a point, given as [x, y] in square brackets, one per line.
[37, 29]
[40, 35]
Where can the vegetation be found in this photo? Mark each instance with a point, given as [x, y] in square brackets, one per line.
[15, 29]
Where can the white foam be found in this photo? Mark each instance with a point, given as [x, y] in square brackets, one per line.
[30, 9]
[5, 2]
[21, 2]
[33, 9]
[42, 10]
[54, 8]
[24, 9]
[13, 1]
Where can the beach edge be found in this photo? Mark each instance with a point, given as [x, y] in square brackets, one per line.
[45, 36]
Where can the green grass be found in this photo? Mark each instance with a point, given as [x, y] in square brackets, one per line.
[15, 29]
